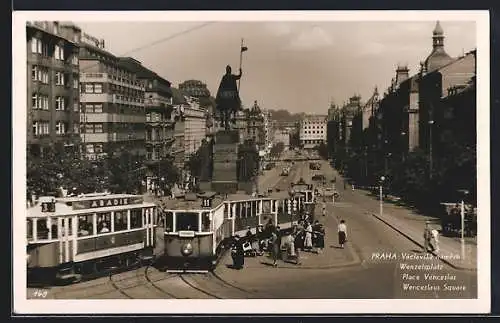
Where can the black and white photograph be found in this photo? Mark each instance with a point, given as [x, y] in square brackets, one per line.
[251, 162]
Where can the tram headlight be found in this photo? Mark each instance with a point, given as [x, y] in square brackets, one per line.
[187, 249]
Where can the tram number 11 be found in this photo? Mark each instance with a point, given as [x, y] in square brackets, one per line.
[206, 203]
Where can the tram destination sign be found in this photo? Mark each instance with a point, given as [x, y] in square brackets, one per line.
[107, 202]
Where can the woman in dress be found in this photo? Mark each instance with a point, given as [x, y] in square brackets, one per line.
[342, 230]
[308, 238]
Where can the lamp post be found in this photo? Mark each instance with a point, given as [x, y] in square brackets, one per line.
[403, 146]
[431, 123]
[381, 197]
[462, 223]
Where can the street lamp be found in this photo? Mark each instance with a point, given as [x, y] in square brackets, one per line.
[403, 150]
[382, 179]
[431, 122]
[462, 222]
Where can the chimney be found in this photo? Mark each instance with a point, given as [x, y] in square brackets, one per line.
[402, 74]
[102, 43]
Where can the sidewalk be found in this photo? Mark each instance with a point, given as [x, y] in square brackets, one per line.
[331, 257]
[411, 225]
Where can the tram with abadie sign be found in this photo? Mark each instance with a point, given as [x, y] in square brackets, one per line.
[70, 238]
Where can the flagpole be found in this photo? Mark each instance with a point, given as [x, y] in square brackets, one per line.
[241, 62]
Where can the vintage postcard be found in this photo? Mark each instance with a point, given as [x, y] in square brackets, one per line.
[244, 162]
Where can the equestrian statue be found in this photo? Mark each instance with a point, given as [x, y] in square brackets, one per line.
[228, 99]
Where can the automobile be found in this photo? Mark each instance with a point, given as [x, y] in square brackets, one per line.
[318, 178]
[328, 192]
[285, 172]
[314, 166]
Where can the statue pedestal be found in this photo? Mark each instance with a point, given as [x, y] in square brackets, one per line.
[225, 162]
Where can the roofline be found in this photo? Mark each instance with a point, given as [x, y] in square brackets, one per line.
[30, 25]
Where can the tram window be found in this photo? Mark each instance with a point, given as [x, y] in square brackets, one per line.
[120, 221]
[55, 231]
[266, 206]
[187, 221]
[104, 222]
[29, 229]
[85, 225]
[205, 221]
[169, 221]
[135, 218]
[70, 226]
[42, 229]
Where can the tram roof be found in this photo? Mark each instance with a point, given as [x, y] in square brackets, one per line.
[76, 205]
[181, 203]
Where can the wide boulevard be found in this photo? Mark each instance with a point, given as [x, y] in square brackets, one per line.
[378, 262]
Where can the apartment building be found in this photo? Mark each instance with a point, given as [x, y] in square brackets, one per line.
[195, 125]
[112, 97]
[312, 131]
[283, 136]
[52, 87]
[159, 110]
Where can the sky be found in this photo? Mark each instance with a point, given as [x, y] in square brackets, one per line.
[295, 66]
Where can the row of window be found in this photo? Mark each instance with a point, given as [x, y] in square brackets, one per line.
[41, 102]
[312, 141]
[40, 47]
[94, 148]
[92, 88]
[92, 128]
[93, 108]
[41, 74]
[98, 108]
[85, 224]
[314, 127]
[42, 128]
[314, 131]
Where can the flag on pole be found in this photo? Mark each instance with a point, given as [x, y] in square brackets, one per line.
[244, 49]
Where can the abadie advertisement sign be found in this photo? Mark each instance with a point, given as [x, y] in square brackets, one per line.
[106, 202]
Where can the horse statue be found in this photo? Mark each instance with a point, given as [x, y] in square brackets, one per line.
[228, 100]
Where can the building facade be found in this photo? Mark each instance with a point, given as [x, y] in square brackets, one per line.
[195, 126]
[268, 129]
[53, 114]
[255, 129]
[313, 131]
[433, 88]
[112, 98]
[283, 136]
[159, 110]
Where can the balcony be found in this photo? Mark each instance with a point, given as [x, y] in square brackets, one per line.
[157, 103]
[121, 99]
[106, 78]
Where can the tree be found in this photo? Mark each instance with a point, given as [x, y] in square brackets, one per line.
[60, 168]
[168, 172]
[277, 149]
[322, 150]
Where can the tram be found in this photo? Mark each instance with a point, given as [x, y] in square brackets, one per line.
[198, 228]
[73, 237]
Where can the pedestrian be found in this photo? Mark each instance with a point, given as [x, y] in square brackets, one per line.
[237, 253]
[435, 239]
[308, 237]
[319, 233]
[352, 186]
[260, 239]
[342, 231]
[275, 247]
[428, 246]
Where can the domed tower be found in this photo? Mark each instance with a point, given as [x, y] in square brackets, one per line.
[438, 56]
